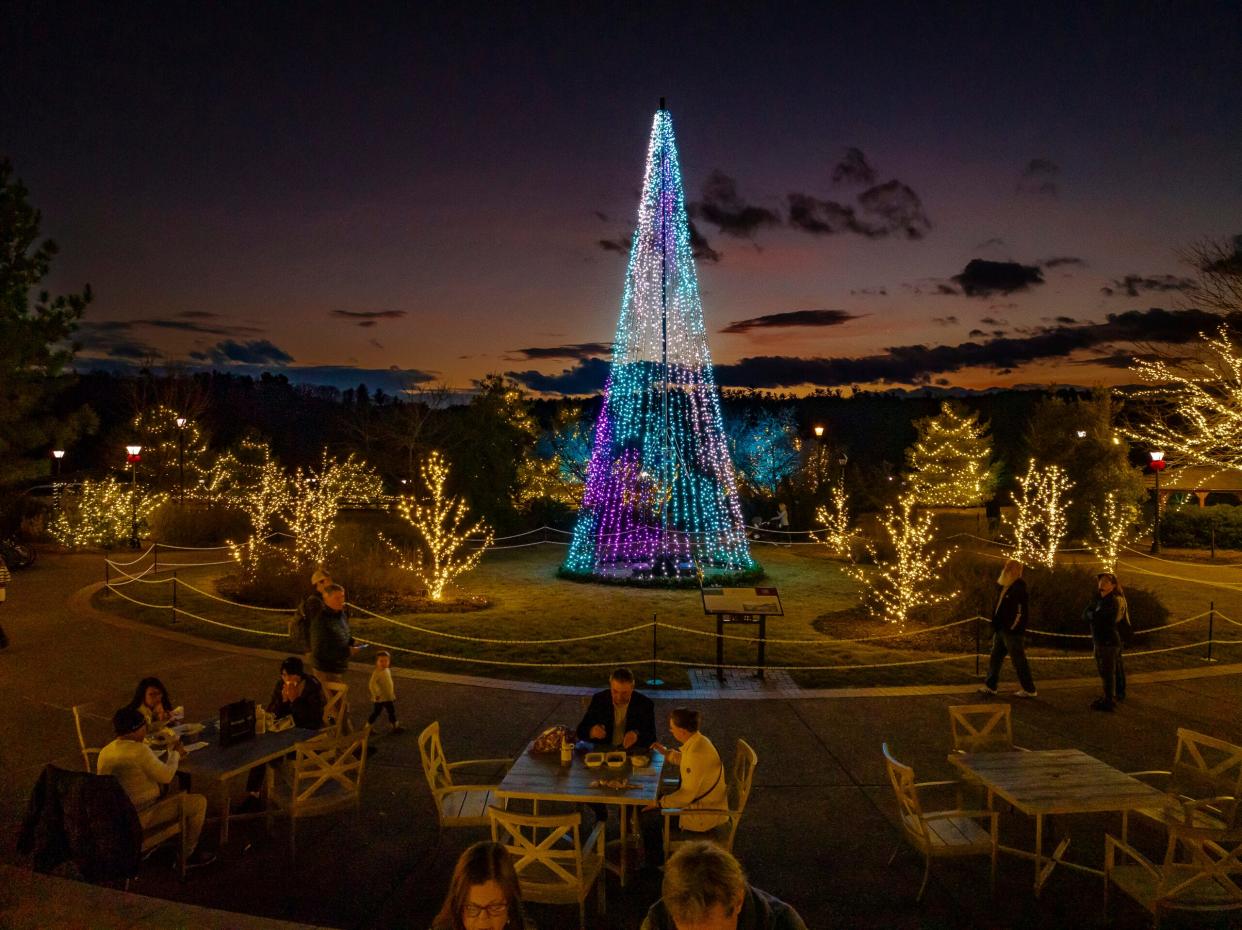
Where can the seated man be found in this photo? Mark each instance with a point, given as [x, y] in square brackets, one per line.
[705, 889]
[620, 716]
[296, 694]
[142, 774]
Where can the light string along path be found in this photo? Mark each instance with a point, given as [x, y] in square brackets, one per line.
[148, 575]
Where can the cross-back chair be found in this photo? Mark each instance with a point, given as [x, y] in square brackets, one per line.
[1204, 769]
[326, 776]
[738, 786]
[548, 870]
[90, 754]
[1201, 872]
[457, 805]
[939, 834]
[981, 727]
[336, 708]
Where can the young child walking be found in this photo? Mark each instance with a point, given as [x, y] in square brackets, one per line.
[383, 695]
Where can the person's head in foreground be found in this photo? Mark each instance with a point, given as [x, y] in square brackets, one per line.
[621, 684]
[483, 892]
[1106, 583]
[128, 723]
[334, 597]
[292, 670]
[684, 723]
[704, 887]
[320, 579]
[1010, 573]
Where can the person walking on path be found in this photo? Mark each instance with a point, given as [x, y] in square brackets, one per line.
[331, 643]
[383, 694]
[5, 578]
[1008, 632]
[306, 615]
[1105, 615]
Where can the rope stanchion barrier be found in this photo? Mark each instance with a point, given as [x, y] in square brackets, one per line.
[1143, 652]
[505, 642]
[228, 626]
[823, 640]
[136, 561]
[1227, 619]
[1225, 585]
[826, 668]
[225, 600]
[1156, 558]
[505, 662]
[1142, 632]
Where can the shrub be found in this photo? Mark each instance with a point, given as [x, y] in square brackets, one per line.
[197, 524]
[1191, 527]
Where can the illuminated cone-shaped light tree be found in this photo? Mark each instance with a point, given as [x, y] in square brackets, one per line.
[661, 496]
[950, 461]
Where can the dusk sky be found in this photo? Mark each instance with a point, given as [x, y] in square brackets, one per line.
[886, 195]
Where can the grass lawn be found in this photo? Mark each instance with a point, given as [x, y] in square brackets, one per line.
[530, 602]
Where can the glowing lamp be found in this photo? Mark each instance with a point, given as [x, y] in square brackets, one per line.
[1081, 434]
[1157, 461]
[181, 422]
[58, 453]
[133, 454]
[819, 432]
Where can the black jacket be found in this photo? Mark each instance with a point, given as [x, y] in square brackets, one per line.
[1104, 616]
[307, 710]
[639, 717]
[86, 818]
[760, 911]
[1010, 613]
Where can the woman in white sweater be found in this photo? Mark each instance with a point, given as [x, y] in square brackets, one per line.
[702, 787]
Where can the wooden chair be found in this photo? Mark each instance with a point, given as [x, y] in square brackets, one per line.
[336, 708]
[738, 786]
[170, 825]
[90, 754]
[1204, 768]
[1201, 872]
[548, 870]
[457, 805]
[981, 727]
[326, 776]
[938, 834]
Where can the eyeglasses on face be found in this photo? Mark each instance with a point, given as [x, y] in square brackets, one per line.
[491, 910]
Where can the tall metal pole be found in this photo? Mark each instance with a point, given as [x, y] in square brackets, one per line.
[1155, 541]
[133, 505]
[181, 462]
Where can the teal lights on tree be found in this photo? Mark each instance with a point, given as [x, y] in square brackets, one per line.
[661, 496]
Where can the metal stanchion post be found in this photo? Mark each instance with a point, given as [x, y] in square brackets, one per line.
[977, 619]
[1211, 625]
[655, 680]
[174, 597]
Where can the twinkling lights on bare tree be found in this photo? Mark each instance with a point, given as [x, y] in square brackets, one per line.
[907, 582]
[1040, 507]
[834, 517]
[452, 549]
[262, 497]
[951, 459]
[1193, 411]
[102, 514]
[316, 496]
[1110, 524]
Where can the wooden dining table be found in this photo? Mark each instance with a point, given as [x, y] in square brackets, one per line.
[1043, 783]
[541, 777]
[221, 765]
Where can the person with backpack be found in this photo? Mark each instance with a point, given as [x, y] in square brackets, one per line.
[1107, 611]
[305, 616]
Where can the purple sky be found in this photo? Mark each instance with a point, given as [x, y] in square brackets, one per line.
[333, 193]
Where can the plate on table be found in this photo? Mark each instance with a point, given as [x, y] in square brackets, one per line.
[593, 760]
[640, 760]
[188, 729]
[615, 760]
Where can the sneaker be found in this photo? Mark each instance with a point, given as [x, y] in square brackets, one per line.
[1023, 693]
[984, 689]
[1101, 704]
[200, 859]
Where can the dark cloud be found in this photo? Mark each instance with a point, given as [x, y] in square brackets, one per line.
[1132, 285]
[992, 321]
[976, 334]
[701, 247]
[943, 289]
[723, 207]
[853, 170]
[792, 318]
[586, 377]
[1039, 178]
[944, 320]
[199, 315]
[620, 245]
[889, 209]
[134, 350]
[366, 318]
[871, 292]
[578, 350]
[994, 242]
[1064, 260]
[982, 278]
[600, 215]
[255, 352]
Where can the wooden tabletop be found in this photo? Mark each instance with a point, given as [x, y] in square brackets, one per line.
[213, 762]
[1057, 781]
[542, 777]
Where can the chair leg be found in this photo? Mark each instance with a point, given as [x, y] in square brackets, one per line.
[926, 876]
[582, 914]
[896, 850]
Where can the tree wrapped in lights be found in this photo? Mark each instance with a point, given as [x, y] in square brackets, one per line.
[1110, 523]
[661, 497]
[315, 500]
[951, 460]
[263, 498]
[451, 551]
[765, 448]
[1194, 409]
[834, 517]
[101, 514]
[1040, 514]
[898, 587]
[167, 447]
[556, 468]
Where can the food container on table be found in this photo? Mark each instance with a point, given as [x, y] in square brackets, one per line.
[615, 760]
[640, 760]
[593, 760]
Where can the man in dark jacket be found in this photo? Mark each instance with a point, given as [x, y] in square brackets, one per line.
[619, 717]
[1104, 616]
[705, 888]
[331, 643]
[1008, 632]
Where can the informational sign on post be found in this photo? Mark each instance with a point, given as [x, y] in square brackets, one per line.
[741, 605]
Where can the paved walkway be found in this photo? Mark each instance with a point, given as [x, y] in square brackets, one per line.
[818, 831]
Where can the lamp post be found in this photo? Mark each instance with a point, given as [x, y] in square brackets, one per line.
[133, 455]
[1081, 434]
[1157, 465]
[181, 421]
[57, 455]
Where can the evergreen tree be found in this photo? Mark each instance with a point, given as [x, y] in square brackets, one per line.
[950, 461]
[33, 329]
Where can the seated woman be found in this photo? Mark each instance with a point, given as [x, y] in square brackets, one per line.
[152, 701]
[296, 695]
[702, 785]
[483, 893]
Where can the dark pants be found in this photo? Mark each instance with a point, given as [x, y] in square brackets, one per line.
[1121, 673]
[389, 706]
[1107, 656]
[1011, 644]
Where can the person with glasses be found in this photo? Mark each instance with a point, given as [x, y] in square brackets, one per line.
[483, 892]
